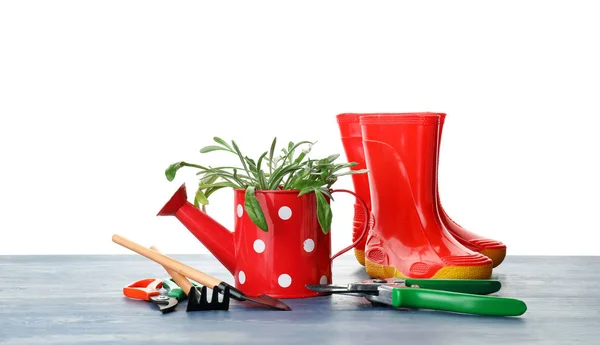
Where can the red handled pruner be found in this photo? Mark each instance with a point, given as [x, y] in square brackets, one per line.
[148, 290]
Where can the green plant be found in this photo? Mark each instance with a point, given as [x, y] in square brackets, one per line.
[287, 171]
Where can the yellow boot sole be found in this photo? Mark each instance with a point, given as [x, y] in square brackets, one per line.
[497, 255]
[360, 256]
[449, 272]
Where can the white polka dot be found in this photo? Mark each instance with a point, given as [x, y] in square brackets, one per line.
[323, 280]
[242, 277]
[259, 246]
[309, 245]
[284, 280]
[240, 210]
[285, 213]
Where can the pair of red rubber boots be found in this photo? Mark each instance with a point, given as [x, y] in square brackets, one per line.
[409, 233]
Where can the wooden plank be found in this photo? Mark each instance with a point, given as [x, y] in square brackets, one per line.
[78, 300]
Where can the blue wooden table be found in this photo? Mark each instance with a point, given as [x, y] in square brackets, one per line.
[79, 300]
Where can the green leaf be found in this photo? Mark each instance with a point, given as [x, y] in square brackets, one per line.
[254, 210]
[291, 149]
[239, 179]
[324, 214]
[279, 174]
[271, 151]
[324, 173]
[324, 162]
[212, 148]
[260, 159]
[332, 158]
[235, 175]
[171, 171]
[301, 185]
[209, 179]
[317, 189]
[222, 142]
[292, 182]
[290, 153]
[200, 197]
[218, 184]
[352, 172]
[325, 191]
[330, 180]
[292, 178]
[306, 190]
[343, 166]
[227, 177]
[239, 153]
[300, 157]
[262, 180]
[252, 166]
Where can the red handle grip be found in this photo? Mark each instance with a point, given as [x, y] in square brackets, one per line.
[143, 289]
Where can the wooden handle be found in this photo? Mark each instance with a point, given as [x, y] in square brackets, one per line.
[182, 281]
[183, 269]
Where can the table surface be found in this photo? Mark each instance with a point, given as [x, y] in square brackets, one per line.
[79, 300]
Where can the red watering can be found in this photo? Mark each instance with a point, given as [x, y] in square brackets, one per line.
[280, 262]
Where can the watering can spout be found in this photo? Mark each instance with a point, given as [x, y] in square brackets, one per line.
[215, 237]
[177, 201]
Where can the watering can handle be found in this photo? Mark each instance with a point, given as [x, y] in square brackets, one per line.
[365, 226]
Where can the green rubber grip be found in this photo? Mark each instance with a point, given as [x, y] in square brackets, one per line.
[456, 302]
[173, 290]
[472, 286]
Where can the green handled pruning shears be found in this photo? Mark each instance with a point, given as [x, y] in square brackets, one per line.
[173, 290]
[453, 295]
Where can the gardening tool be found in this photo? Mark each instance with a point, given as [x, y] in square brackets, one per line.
[148, 290]
[407, 238]
[173, 290]
[452, 295]
[352, 140]
[180, 286]
[197, 296]
[200, 277]
[295, 249]
[472, 286]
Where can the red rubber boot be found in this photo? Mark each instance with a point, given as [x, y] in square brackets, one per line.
[407, 237]
[493, 249]
[352, 141]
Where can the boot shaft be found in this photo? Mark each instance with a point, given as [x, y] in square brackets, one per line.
[403, 149]
[352, 141]
[350, 133]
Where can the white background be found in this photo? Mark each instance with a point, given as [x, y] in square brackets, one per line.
[97, 98]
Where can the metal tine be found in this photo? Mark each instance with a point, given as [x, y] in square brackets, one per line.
[203, 299]
[197, 299]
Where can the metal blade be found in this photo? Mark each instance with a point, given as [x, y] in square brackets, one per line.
[165, 303]
[267, 301]
[263, 300]
[370, 289]
[328, 288]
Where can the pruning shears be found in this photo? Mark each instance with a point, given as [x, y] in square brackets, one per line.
[149, 290]
[173, 290]
[453, 295]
